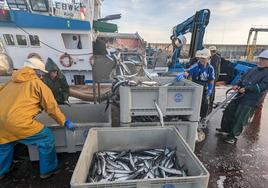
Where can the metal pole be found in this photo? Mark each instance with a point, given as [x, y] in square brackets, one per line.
[99, 93]
[94, 92]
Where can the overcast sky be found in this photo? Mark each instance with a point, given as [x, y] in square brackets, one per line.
[230, 20]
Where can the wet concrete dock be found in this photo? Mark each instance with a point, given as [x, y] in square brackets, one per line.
[243, 165]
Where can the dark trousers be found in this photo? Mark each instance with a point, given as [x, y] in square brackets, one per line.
[204, 106]
[211, 99]
[205, 101]
[235, 116]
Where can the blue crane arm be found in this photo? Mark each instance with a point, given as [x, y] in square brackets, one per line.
[195, 25]
[183, 27]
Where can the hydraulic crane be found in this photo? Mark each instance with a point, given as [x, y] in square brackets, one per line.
[196, 25]
[251, 46]
[241, 67]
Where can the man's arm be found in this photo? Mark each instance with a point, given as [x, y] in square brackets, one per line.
[258, 87]
[192, 69]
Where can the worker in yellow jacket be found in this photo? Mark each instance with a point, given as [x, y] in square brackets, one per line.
[21, 99]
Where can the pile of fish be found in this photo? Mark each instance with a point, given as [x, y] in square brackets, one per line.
[130, 165]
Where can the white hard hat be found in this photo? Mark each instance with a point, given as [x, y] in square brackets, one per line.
[35, 63]
[212, 48]
[205, 53]
[264, 54]
[197, 53]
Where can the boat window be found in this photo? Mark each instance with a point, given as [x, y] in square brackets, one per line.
[34, 40]
[9, 39]
[39, 5]
[17, 4]
[22, 40]
[76, 41]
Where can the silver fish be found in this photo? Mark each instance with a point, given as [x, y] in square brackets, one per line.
[119, 171]
[159, 150]
[122, 178]
[103, 166]
[171, 170]
[114, 164]
[123, 165]
[108, 178]
[120, 175]
[155, 153]
[170, 153]
[99, 166]
[131, 161]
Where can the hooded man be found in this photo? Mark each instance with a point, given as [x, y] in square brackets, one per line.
[21, 100]
[56, 81]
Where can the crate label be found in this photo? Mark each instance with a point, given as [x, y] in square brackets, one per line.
[178, 97]
[168, 186]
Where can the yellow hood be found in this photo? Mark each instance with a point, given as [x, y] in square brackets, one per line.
[24, 75]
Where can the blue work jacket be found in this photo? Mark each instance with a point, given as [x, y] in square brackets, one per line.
[199, 73]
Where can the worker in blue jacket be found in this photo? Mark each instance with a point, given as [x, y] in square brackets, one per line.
[202, 73]
[251, 88]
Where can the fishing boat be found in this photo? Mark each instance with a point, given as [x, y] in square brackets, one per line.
[61, 30]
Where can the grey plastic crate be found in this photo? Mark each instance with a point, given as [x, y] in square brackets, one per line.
[181, 99]
[187, 129]
[119, 139]
[85, 116]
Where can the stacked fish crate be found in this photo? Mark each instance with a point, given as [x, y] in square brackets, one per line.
[179, 103]
[141, 154]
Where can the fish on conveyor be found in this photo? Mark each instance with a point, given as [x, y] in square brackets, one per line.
[107, 166]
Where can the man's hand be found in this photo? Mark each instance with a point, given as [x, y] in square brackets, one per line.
[186, 74]
[67, 103]
[242, 90]
[235, 87]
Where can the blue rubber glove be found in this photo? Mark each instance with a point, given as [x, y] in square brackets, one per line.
[69, 125]
[179, 76]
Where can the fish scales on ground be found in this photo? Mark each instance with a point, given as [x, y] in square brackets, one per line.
[130, 165]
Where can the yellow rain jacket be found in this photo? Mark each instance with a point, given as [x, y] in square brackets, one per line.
[21, 99]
